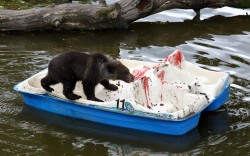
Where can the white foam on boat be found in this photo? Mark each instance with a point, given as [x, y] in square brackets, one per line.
[175, 87]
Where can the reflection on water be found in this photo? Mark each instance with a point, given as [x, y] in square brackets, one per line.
[216, 44]
[170, 16]
[85, 132]
[225, 11]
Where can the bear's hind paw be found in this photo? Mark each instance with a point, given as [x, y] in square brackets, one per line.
[49, 89]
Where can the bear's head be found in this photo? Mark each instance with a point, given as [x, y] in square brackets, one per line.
[117, 71]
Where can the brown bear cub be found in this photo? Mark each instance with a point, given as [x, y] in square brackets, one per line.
[91, 69]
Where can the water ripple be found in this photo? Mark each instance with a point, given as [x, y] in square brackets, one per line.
[216, 139]
[240, 125]
[241, 112]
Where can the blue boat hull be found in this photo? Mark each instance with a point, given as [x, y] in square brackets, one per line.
[109, 117]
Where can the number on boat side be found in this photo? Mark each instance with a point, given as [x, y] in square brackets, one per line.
[125, 105]
[118, 104]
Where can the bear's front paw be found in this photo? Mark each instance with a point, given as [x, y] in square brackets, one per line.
[73, 96]
[112, 87]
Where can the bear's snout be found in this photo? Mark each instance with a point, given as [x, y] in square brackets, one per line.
[129, 78]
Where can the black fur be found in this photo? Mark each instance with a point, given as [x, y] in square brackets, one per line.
[91, 69]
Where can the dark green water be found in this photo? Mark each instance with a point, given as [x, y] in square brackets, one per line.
[220, 44]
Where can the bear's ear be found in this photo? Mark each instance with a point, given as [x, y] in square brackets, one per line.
[112, 66]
